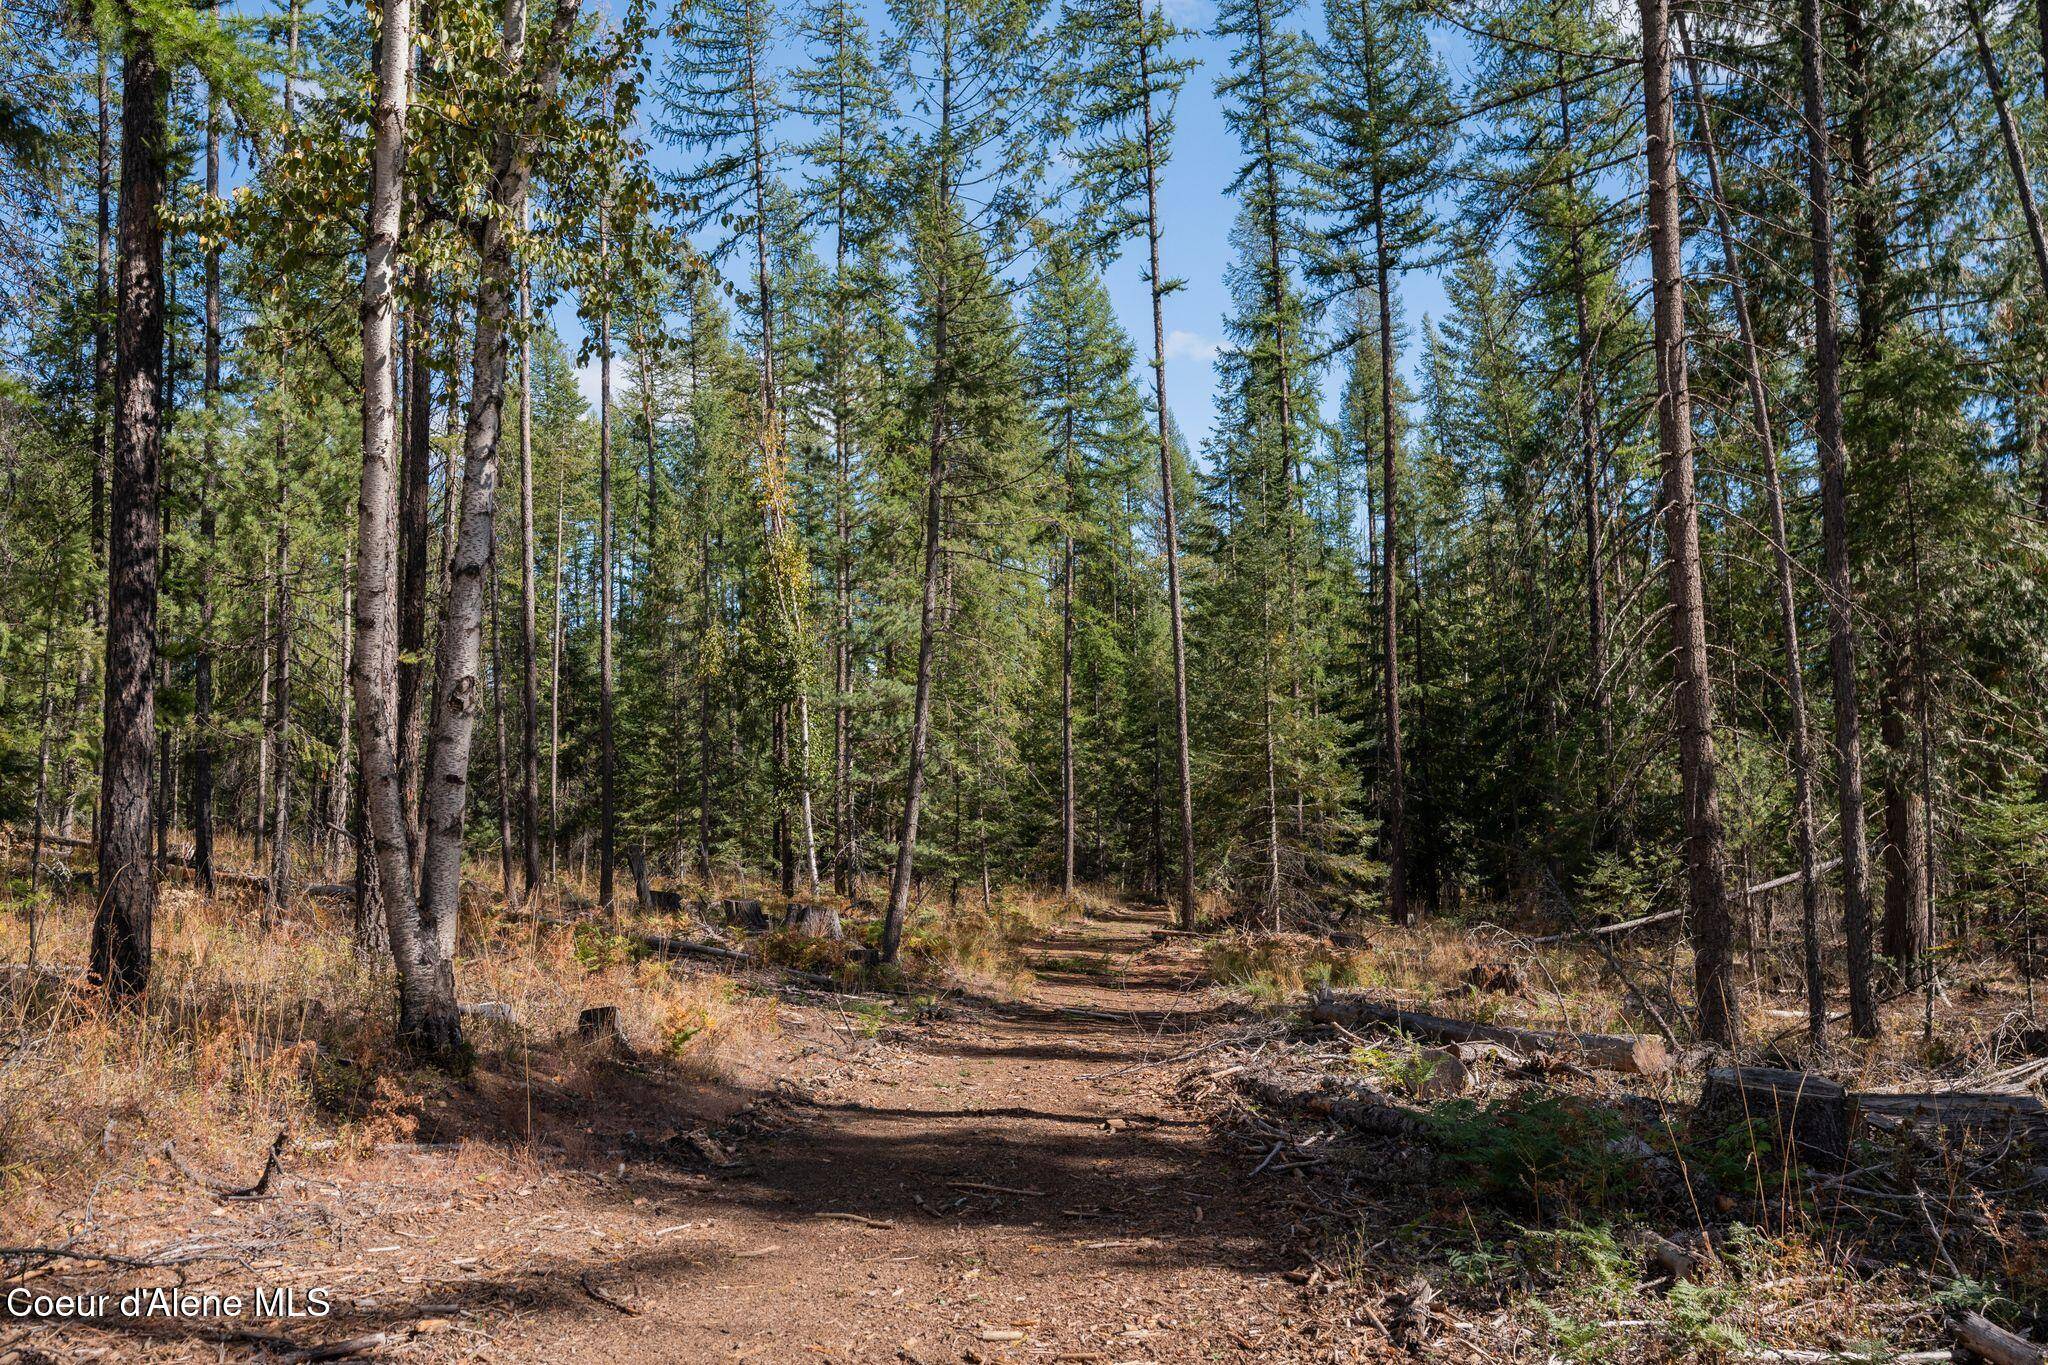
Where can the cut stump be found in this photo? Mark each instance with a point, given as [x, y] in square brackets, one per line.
[600, 1025]
[1812, 1114]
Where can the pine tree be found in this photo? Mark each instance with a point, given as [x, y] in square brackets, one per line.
[1078, 366]
[967, 63]
[1130, 80]
[1386, 108]
[721, 102]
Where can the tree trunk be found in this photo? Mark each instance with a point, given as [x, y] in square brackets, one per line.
[1592, 470]
[606, 745]
[2009, 135]
[1905, 890]
[458, 694]
[844, 867]
[1827, 431]
[1719, 1002]
[529, 613]
[102, 446]
[555, 699]
[1067, 677]
[209, 456]
[508, 886]
[36, 830]
[279, 884]
[1788, 596]
[127, 881]
[264, 642]
[1169, 532]
[1390, 637]
[927, 635]
[428, 1021]
[416, 496]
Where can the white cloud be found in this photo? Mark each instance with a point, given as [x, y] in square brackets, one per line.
[1185, 345]
[588, 382]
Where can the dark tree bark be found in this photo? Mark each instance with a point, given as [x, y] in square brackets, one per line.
[1169, 532]
[2009, 137]
[165, 795]
[82, 690]
[607, 749]
[127, 880]
[1067, 672]
[1719, 999]
[1592, 472]
[1827, 433]
[45, 708]
[209, 456]
[1396, 833]
[927, 634]
[555, 696]
[529, 614]
[505, 850]
[415, 500]
[1905, 871]
[278, 886]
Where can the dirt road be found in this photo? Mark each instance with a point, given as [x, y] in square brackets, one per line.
[984, 1180]
[1001, 1183]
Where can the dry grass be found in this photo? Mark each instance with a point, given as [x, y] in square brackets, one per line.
[1574, 986]
[1277, 968]
[244, 1033]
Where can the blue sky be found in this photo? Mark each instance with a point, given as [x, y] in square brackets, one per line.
[1196, 212]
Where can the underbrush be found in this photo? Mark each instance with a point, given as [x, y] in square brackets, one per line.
[965, 945]
[1547, 1206]
[244, 1034]
[1277, 968]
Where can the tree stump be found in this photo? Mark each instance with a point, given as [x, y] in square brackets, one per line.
[812, 921]
[742, 914]
[643, 895]
[1503, 977]
[600, 1025]
[1810, 1113]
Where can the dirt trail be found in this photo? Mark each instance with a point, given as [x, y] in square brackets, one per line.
[1044, 1199]
[988, 1181]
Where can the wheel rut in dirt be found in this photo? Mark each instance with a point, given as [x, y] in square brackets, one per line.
[1015, 1176]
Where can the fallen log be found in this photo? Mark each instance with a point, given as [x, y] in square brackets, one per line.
[1810, 1113]
[1662, 916]
[1991, 1112]
[63, 841]
[1986, 1340]
[1634, 1054]
[1330, 1099]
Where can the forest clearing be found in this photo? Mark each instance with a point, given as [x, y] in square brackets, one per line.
[1082, 680]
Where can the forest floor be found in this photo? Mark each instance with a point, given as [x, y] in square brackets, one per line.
[1103, 1145]
[974, 1180]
